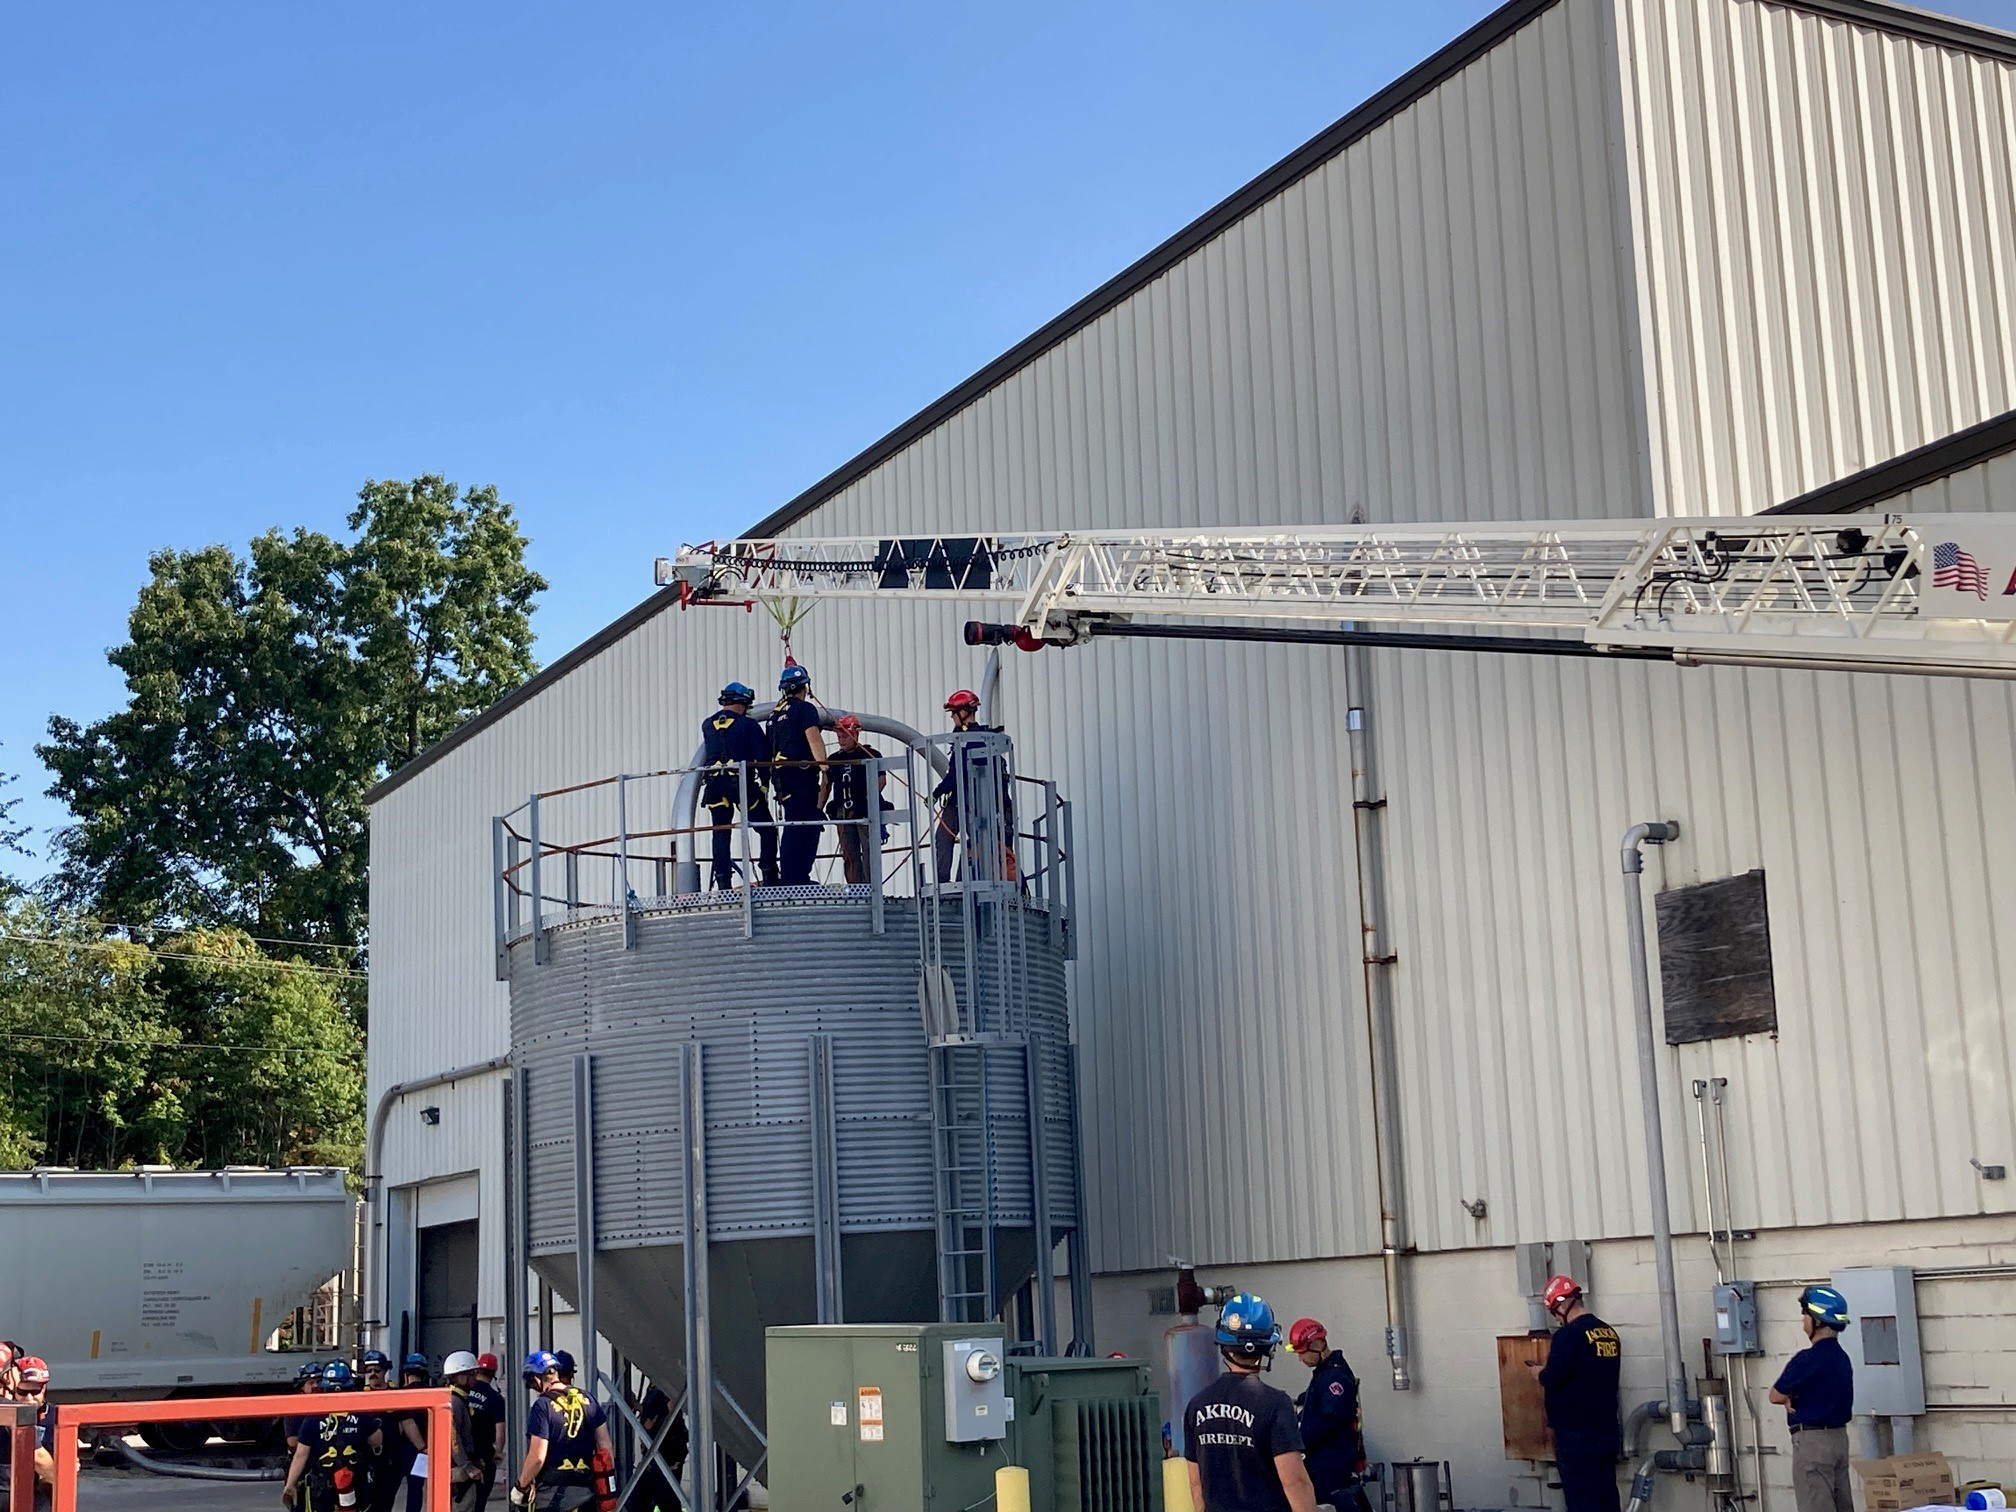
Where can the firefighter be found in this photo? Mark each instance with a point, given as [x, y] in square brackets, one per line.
[736, 752]
[486, 1407]
[307, 1381]
[376, 1367]
[797, 768]
[30, 1385]
[1239, 1433]
[844, 796]
[567, 1443]
[1332, 1419]
[968, 767]
[468, 1447]
[1580, 1382]
[1817, 1391]
[407, 1436]
[331, 1470]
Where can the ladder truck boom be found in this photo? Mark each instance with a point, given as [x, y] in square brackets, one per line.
[1853, 593]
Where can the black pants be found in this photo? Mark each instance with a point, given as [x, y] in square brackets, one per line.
[721, 798]
[798, 794]
[1588, 1481]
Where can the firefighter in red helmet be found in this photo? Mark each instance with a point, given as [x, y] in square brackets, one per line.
[1333, 1423]
[965, 781]
[1580, 1381]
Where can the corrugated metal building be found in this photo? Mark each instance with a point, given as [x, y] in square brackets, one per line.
[1597, 258]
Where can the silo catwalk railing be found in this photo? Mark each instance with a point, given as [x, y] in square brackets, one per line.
[798, 1111]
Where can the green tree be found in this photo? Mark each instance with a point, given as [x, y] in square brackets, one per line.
[194, 1049]
[81, 1037]
[11, 833]
[267, 692]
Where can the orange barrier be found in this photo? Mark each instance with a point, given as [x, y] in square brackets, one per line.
[17, 1421]
[70, 1416]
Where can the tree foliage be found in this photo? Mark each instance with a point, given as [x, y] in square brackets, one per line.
[11, 835]
[194, 1049]
[267, 692]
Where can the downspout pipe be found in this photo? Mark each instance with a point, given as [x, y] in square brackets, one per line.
[1657, 832]
[375, 1258]
[686, 799]
[1368, 808]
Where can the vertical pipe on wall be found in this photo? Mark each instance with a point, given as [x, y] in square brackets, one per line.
[1368, 806]
[1654, 833]
[517, 1259]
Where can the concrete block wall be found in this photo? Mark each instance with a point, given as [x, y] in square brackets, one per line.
[1460, 1301]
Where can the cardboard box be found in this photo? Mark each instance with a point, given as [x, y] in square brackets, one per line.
[1905, 1481]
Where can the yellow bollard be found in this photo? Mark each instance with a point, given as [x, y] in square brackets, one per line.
[1176, 1486]
[1011, 1489]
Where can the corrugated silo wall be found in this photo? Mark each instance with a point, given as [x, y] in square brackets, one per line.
[810, 969]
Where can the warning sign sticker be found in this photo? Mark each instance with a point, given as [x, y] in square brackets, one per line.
[839, 1412]
[868, 1408]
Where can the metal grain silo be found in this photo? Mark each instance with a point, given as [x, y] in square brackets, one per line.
[862, 1094]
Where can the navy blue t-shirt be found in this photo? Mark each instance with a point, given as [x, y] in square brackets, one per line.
[1580, 1380]
[726, 736]
[1232, 1430]
[788, 725]
[1821, 1383]
[567, 1420]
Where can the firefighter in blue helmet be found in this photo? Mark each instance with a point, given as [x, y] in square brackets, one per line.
[1817, 1390]
[797, 771]
[736, 756]
[567, 1445]
[1240, 1434]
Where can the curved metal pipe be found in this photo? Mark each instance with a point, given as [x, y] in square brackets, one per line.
[196, 1472]
[1654, 833]
[990, 682]
[686, 799]
[374, 1179]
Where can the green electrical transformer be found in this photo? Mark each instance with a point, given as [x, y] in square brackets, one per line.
[917, 1417]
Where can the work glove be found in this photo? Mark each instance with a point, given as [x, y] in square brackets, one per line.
[519, 1498]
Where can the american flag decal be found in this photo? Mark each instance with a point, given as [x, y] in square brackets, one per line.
[1954, 568]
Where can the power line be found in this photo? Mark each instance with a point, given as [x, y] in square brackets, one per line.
[231, 928]
[147, 1044]
[66, 942]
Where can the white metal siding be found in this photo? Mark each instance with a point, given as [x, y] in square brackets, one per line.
[1880, 809]
[1826, 244]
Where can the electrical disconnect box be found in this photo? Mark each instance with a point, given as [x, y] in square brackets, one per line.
[1736, 1319]
[1882, 1339]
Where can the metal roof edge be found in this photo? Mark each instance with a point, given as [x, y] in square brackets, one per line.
[1909, 21]
[1311, 155]
[1374, 112]
[1367, 117]
[551, 673]
[1925, 464]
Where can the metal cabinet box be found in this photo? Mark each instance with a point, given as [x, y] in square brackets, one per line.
[1882, 1339]
[857, 1419]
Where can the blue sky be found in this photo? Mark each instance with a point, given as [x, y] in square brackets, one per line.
[650, 268]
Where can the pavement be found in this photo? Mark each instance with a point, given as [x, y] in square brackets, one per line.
[109, 1489]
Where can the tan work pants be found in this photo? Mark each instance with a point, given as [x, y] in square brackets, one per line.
[1820, 1470]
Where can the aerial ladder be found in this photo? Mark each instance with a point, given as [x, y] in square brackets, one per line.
[1933, 595]
[1927, 594]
